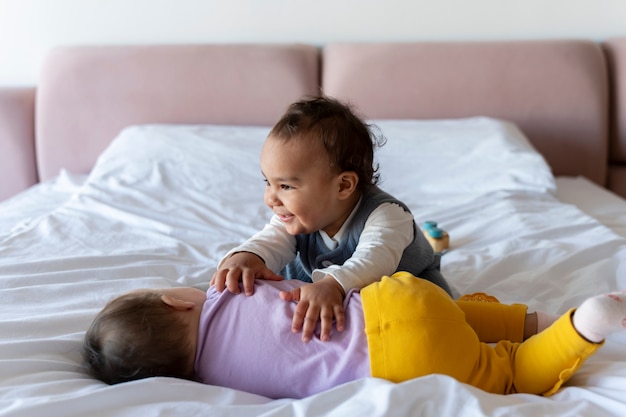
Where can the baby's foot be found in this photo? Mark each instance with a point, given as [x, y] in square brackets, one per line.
[599, 316]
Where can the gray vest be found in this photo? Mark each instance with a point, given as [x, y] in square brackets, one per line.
[418, 258]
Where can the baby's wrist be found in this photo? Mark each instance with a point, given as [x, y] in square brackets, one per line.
[331, 280]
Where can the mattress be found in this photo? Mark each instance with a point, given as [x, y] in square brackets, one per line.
[164, 202]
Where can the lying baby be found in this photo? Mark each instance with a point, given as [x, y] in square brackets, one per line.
[397, 329]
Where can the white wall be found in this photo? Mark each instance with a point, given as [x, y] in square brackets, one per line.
[29, 28]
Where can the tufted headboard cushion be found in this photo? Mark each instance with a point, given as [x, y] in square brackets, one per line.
[86, 95]
[556, 91]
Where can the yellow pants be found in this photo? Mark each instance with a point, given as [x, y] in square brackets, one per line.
[414, 329]
[493, 321]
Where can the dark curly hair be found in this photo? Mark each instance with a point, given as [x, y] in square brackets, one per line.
[348, 140]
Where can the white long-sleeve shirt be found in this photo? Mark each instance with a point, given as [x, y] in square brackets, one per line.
[387, 232]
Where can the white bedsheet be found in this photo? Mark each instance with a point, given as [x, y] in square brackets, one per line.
[598, 202]
[165, 202]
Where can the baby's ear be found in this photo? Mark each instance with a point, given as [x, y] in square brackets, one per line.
[348, 182]
[177, 304]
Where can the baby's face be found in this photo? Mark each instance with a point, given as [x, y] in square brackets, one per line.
[301, 186]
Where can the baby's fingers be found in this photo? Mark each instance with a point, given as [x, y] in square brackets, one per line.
[298, 317]
[311, 318]
[232, 281]
[248, 282]
[305, 319]
[326, 317]
[219, 280]
[340, 318]
[293, 295]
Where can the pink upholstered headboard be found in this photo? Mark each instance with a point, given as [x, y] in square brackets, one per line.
[568, 96]
[86, 95]
[17, 140]
[556, 91]
[616, 57]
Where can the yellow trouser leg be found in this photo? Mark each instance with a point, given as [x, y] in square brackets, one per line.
[545, 361]
[494, 321]
[414, 328]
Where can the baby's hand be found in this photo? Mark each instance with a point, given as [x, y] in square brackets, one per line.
[244, 267]
[322, 300]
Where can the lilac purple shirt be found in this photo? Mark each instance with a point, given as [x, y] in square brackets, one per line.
[246, 343]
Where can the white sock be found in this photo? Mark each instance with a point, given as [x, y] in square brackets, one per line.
[599, 316]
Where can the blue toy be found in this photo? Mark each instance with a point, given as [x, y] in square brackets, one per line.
[437, 237]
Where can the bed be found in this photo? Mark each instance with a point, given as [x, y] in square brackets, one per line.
[137, 166]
